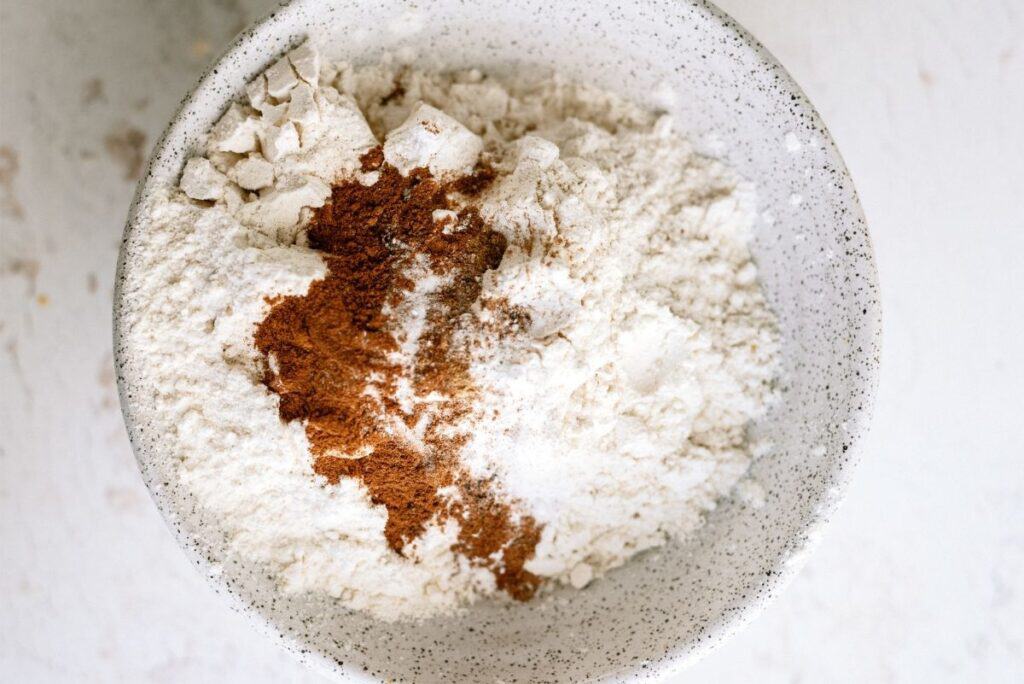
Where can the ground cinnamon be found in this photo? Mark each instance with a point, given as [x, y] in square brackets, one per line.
[327, 356]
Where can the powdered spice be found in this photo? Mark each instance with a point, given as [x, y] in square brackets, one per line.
[329, 356]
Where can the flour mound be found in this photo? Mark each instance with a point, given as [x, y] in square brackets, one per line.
[614, 412]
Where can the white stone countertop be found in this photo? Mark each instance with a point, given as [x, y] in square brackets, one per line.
[919, 579]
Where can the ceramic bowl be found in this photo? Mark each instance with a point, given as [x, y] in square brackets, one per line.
[665, 608]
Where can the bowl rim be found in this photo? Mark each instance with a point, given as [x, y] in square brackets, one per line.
[686, 653]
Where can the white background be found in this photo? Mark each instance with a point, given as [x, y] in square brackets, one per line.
[921, 577]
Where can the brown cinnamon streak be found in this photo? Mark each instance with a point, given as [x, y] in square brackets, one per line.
[326, 354]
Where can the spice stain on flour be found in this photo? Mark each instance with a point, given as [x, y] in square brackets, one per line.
[333, 358]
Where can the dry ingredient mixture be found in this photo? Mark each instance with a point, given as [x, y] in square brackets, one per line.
[338, 366]
[418, 338]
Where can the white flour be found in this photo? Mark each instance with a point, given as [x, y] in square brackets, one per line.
[616, 420]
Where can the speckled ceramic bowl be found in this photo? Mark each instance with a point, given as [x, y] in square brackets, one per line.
[666, 608]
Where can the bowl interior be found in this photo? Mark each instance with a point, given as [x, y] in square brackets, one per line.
[816, 265]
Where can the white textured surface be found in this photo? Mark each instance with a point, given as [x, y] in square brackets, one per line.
[920, 577]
